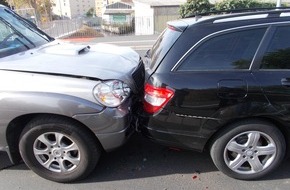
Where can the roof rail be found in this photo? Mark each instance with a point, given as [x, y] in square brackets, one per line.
[273, 10]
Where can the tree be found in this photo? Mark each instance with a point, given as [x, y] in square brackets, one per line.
[200, 6]
[44, 8]
[17, 4]
[41, 7]
[242, 4]
[3, 2]
[91, 12]
[193, 6]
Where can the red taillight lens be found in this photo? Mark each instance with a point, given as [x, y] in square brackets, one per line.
[155, 98]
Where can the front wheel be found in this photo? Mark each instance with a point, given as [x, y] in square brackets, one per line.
[59, 149]
[248, 150]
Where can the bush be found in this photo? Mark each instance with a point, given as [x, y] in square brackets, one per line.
[202, 6]
[242, 4]
[193, 6]
[85, 32]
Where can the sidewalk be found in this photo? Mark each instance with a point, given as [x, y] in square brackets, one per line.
[135, 42]
[125, 38]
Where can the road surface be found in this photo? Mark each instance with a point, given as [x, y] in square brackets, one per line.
[142, 164]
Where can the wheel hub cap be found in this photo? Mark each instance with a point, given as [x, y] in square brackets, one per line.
[56, 152]
[250, 152]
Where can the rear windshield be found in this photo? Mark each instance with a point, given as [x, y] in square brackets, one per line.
[162, 46]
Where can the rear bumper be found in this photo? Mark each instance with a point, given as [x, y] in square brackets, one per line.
[174, 139]
[149, 127]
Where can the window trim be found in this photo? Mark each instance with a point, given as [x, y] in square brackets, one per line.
[218, 33]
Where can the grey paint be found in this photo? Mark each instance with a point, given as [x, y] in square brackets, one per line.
[102, 61]
[59, 78]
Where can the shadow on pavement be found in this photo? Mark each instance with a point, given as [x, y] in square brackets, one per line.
[4, 161]
[141, 158]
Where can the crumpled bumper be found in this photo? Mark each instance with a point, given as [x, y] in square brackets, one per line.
[112, 126]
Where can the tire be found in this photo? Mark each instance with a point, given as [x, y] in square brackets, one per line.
[59, 149]
[248, 150]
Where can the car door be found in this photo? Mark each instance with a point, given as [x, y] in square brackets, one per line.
[273, 72]
[213, 83]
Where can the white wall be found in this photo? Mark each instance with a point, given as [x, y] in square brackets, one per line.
[72, 8]
[144, 23]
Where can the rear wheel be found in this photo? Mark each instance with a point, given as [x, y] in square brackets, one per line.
[248, 150]
[59, 149]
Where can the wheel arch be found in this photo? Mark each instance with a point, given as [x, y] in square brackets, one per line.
[17, 125]
[282, 127]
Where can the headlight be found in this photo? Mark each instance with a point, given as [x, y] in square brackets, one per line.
[111, 93]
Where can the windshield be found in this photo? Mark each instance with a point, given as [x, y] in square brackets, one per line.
[17, 34]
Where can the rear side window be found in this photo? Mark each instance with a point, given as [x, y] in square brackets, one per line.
[277, 55]
[228, 51]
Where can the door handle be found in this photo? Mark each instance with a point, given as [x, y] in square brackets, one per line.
[285, 82]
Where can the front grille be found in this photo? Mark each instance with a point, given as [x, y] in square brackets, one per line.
[139, 76]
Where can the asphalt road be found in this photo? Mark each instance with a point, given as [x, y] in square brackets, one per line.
[142, 164]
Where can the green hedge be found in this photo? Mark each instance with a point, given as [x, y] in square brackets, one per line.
[202, 6]
[242, 4]
[193, 6]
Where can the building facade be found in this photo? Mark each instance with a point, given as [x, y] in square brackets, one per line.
[72, 8]
[119, 13]
[151, 16]
[100, 4]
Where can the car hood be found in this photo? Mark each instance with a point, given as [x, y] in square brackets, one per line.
[100, 61]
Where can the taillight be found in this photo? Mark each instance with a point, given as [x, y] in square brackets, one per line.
[155, 98]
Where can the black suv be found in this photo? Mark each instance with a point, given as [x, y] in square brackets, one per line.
[222, 83]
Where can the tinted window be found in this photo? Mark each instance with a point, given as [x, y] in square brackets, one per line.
[162, 46]
[277, 55]
[228, 51]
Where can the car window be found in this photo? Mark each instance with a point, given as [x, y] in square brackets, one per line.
[17, 34]
[10, 41]
[277, 55]
[162, 46]
[233, 50]
[4, 31]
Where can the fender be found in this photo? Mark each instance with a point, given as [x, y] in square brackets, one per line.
[15, 104]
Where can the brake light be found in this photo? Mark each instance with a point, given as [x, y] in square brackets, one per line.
[174, 28]
[155, 98]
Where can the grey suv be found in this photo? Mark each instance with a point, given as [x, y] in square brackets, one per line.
[61, 105]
